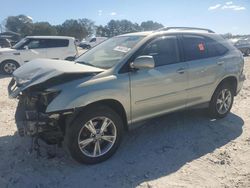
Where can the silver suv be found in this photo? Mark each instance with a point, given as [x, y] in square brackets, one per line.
[126, 79]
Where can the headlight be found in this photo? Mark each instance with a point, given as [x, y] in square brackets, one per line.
[21, 81]
[48, 96]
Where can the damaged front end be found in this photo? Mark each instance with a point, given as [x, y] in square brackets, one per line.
[36, 85]
[31, 117]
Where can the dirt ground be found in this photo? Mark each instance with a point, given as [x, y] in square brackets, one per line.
[184, 149]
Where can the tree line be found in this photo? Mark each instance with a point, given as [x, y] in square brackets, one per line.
[78, 28]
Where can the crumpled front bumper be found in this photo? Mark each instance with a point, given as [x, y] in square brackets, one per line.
[13, 90]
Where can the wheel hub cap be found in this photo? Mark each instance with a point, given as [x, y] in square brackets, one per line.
[97, 136]
[224, 101]
[9, 68]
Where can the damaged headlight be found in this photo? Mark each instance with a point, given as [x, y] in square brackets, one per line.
[21, 81]
[48, 96]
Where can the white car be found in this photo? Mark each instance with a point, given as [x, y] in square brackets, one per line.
[92, 42]
[32, 47]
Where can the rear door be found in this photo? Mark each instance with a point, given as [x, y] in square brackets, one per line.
[57, 48]
[205, 63]
[161, 89]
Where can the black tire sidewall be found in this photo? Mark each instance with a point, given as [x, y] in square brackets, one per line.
[73, 129]
[212, 106]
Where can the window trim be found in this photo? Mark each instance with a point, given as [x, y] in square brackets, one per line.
[206, 44]
[38, 39]
[185, 59]
[126, 68]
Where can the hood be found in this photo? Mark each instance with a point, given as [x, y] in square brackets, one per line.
[4, 50]
[40, 70]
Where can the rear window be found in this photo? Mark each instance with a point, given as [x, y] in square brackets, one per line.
[215, 48]
[194, 48]
[198, 47]
[56, 43]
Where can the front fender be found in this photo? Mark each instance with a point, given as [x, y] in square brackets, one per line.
[76, 95]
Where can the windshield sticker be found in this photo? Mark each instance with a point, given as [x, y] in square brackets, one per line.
[122, 49]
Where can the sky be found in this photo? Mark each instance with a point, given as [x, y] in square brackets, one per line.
[222, 16]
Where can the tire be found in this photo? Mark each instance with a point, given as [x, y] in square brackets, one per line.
[88, 47]
[219, 107]
[248, 52]
[80, 133]
[9, 66]
[70, 58]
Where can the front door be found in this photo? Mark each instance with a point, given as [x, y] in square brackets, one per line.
[163, 88]
[36, 49]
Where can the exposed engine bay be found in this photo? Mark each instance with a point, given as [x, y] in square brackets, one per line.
[32, 120]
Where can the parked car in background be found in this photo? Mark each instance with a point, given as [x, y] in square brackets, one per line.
[243, 46]
[32, 47]
[124, 80]
[4, 43]
[90, 43]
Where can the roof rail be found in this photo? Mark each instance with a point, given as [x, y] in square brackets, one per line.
[185, 28]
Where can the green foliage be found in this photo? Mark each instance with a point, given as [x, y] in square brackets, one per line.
[150, 26]
[20, 24]
[79, 29]
[72, 28]
[43, 28]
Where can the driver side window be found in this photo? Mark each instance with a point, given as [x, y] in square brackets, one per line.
[33, 44]
[37, 43]
[164, 50]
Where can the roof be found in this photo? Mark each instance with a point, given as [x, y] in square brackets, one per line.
[50, 37]
[171, 30]
[143, 33]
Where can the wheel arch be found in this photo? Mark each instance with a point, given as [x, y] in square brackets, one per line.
[6, 60]
[233, 82]
[10, 60]
[111, 103]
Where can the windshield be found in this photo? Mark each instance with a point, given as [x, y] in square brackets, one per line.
[20, 43]
[110, 52]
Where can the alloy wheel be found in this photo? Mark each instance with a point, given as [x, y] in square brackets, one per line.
[224, 101]
[97, 136]
[9, 68]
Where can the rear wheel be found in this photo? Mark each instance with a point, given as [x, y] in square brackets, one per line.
[221, 102]
[95, 135]
[9, 66]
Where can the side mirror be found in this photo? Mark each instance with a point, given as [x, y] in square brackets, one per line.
[26, 47]
[143, 62]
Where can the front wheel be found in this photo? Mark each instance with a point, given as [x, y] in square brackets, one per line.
[95, 135]
[9, 66]
[221, 102]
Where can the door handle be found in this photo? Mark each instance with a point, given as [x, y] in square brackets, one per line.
[220, 63]
[181, 70]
